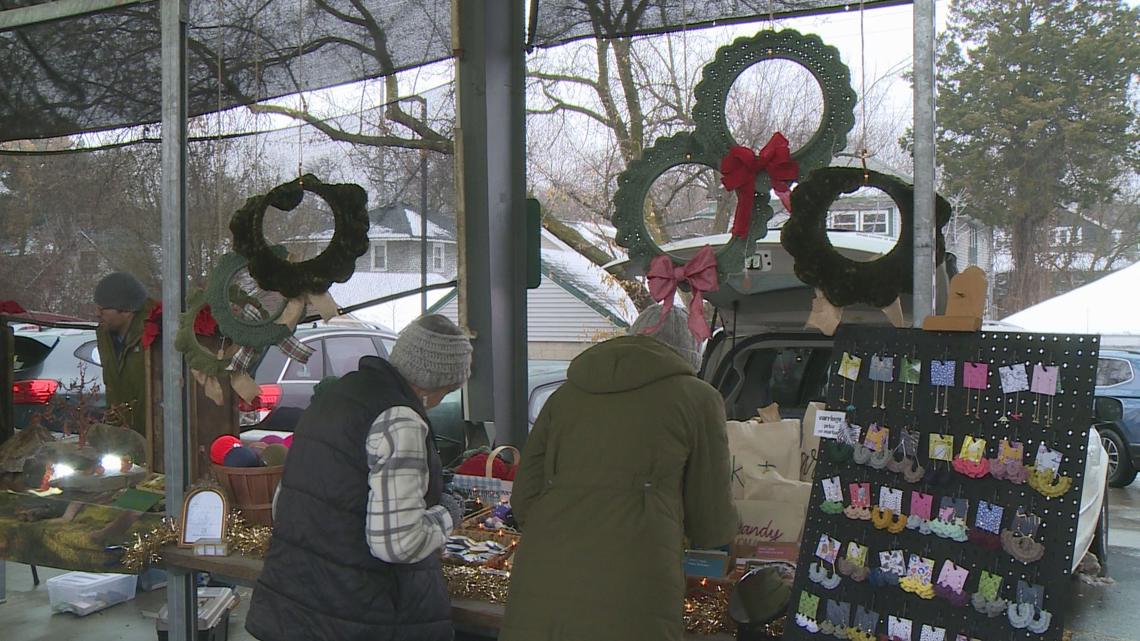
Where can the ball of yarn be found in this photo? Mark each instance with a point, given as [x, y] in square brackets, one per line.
[288, 442]
[258, 447]
[271, 439]
[274, 454]
[241, 457]
[222, 446]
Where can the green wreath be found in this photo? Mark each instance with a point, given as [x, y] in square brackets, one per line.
[222, 297]
[186, 341]
[845, 281]
[711, 140]
[314, 276]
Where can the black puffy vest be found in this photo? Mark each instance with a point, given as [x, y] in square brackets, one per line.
[320, 580]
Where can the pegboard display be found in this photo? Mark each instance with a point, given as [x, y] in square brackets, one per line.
[945, 501]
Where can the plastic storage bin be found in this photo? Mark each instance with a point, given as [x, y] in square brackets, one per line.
[214, 605]
[84, 592]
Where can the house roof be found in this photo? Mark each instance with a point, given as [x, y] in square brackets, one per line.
[399, 222]
[581, 278]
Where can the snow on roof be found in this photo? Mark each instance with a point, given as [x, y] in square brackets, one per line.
[1104, 306]
[365, 286]
[602, 235]
[394, 223]
[574, 271]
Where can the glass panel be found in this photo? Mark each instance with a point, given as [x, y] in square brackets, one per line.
[345, 352]
[1113, 371]
[314, 370]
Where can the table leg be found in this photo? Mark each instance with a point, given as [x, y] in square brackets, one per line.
[3, 581]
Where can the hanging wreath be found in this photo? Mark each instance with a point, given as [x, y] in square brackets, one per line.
[252, 326]
[845, 281]
[314, 276]
[186, 340]
[711, 144]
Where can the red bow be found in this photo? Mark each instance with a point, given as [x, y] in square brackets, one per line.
[739, 169]
[11, 307]
[204, 324]
[699, 273]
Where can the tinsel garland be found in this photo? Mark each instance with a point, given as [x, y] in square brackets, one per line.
[146, 549]
[705, 611]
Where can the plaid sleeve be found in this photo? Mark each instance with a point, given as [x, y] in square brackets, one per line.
[400, 527]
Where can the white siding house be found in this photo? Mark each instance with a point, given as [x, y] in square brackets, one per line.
[576, 305]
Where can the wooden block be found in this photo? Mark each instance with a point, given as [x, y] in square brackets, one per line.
[965, 305]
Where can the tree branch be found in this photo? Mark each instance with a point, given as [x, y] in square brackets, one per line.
[443, 146]
[637, 292]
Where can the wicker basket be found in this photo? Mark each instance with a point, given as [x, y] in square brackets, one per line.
[251, 489]
[472, 528]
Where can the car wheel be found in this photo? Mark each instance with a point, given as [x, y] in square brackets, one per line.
[1120, 470]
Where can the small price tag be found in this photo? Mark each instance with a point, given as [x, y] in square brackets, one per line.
[829, 423]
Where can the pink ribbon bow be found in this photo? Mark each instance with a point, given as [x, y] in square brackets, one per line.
[699, 273]
[739, 169]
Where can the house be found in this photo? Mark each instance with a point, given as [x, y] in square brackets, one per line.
[1079, 249]
[395, 242]
[576, 304]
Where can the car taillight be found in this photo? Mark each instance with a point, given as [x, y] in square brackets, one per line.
[34, 392]
[266, 399]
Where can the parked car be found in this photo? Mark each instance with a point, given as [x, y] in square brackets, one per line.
[1116, 411]
[55, 365]
[287, 385]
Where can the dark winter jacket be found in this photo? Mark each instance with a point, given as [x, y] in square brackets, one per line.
[320, 580]
[626, 460]
[124, 373]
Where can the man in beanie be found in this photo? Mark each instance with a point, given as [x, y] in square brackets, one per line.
[626, 460]
[361, 514]
[122, 305]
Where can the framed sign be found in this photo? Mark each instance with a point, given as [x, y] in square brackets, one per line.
[203, 517]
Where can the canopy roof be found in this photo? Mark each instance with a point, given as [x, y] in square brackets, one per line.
[1108, 306]
[101, 70]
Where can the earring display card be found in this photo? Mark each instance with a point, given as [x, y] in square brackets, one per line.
[1008, 523]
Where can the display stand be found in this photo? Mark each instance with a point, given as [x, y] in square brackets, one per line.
[861, 599]
[208, 419]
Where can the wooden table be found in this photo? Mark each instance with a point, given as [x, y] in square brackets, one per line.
[472, 617]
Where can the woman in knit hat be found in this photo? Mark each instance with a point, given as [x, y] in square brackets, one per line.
[361, 514]
[628, 458]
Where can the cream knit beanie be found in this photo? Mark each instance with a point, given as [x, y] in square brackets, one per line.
[432, 353]
[674, 332]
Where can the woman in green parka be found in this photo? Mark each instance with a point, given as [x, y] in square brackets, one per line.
[627, 460]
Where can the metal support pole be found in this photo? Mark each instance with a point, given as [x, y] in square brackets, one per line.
[491, 150]
[924, 285]
[181, 591]
[423, 214]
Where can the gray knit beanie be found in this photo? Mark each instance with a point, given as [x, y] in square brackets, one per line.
[674, 332]
[432, 353]
[121, 291]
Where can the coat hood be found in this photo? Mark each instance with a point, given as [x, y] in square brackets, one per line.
[625, 363]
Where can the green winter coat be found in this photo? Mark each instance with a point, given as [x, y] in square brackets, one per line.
[626, 460]
[124, 374]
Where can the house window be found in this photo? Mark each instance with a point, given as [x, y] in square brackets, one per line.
[379, 256]
[873, 222]
[1062, 235]
[846, 220]
[870, 222]
[437, 257]
[974, 244]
